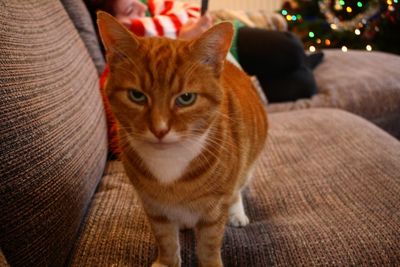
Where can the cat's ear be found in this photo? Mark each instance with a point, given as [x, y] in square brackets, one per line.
[212, 46]
[116, 38]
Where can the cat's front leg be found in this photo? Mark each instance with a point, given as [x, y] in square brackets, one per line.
[209, 235]
[237, 215]
[166, 234]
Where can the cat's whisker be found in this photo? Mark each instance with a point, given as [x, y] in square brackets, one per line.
[215, 141]
[201, 156]
[205, 148]
[226, 116]
[218, 141]
[140, 138]
[207, 159]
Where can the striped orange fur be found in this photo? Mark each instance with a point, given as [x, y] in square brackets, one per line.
[191, 129]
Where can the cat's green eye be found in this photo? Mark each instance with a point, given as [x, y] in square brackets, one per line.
[137, 97]
[185, 100]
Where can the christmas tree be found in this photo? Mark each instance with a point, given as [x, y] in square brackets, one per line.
[346, 24]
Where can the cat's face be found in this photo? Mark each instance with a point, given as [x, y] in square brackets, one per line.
[164, 92]
[160, 96]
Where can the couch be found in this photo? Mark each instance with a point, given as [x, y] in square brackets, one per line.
[326, 191]
[364, 83]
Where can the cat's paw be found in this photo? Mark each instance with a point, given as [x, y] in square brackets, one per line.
[176, 263]
[238, 220]
[157, 264]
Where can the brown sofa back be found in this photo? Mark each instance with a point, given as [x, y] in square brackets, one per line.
[364, 83]
[82, 20]
[53, 142]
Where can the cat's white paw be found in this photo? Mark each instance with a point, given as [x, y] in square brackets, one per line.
[237, 216]
[238, 220]
[175, 263]
[156, 264]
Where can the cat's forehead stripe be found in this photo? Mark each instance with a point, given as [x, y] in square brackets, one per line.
[162, 63]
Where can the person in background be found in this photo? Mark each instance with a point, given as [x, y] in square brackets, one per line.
[276, 58]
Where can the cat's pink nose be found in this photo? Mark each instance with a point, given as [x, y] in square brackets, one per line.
[160, 129]
[160, 133]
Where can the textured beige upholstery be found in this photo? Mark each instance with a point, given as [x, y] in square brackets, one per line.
[325, 192]
[364, 83]
[52, 132]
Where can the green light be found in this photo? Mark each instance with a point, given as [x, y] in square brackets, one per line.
[395, 1]
[311, 34]
[359, 4]
[284, 12]
[298, 16]
[342, 3]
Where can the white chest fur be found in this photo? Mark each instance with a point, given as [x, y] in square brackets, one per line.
[168, 163]
[183, 217]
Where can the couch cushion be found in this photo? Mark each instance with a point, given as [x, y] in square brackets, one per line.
[80, 16]
[326, 192]
[364, 83]
[52, 132]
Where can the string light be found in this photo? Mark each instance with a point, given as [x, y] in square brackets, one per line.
[284, 12]
[363, 22]
[350, 24]
[327, 42]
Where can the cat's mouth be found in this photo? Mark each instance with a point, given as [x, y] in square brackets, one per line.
[160, 144]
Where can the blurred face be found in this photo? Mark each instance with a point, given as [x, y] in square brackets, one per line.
[126, 10]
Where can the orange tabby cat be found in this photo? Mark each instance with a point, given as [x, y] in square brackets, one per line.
[191, 128]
